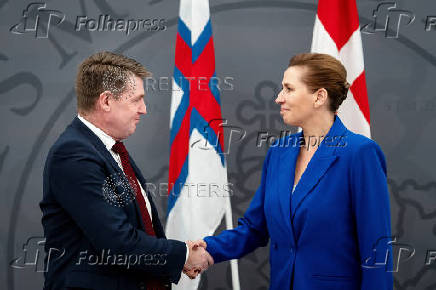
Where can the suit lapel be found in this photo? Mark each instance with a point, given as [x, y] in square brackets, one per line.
[321, 161]
[101, 148]
[286, 181]
[315, 170]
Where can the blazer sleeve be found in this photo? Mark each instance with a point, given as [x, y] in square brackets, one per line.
[371, 208]
[76, 177]
[251, 232]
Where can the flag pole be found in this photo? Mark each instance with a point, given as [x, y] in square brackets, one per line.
[233, 263]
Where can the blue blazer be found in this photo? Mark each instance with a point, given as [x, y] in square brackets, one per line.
[81, 225]
[325, 234]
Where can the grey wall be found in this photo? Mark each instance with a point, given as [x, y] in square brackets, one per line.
[253, 43]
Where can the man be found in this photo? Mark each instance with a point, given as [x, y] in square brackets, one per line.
[101, 226]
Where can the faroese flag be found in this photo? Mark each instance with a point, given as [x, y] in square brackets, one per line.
[198, 188]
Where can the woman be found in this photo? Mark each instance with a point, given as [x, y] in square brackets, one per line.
[323, 198]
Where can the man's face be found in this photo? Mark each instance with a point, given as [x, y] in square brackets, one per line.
[126, 110]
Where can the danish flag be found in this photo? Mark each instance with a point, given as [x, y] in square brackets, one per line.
[337, 32]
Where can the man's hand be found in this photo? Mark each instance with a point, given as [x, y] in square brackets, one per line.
[198, 261]
[200, 243]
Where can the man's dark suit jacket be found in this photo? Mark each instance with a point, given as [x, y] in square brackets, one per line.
[80, 225]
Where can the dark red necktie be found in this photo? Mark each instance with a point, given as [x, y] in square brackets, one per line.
[128, 170]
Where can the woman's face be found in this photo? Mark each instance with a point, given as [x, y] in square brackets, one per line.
[295, 100]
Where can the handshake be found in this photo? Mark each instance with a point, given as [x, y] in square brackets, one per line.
[199, 259]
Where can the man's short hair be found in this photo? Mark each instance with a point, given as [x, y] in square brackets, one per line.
[105, 71]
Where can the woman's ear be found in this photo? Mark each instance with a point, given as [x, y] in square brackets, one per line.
[321, 98]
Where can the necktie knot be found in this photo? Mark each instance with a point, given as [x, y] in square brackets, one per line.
[119, 148]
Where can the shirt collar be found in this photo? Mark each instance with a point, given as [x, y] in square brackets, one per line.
[107, 140]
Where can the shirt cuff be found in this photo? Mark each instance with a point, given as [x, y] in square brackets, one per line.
[187, 253]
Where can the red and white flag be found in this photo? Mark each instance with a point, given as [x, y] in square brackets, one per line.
[198, 190]
[337, 33]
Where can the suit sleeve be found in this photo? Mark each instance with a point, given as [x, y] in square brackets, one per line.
[372, 214]
[76, 176]
[251, 232]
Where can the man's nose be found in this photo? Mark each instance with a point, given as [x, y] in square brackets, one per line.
[143, 108]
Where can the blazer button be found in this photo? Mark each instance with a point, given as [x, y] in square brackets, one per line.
[291, 250]
[275, 245]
